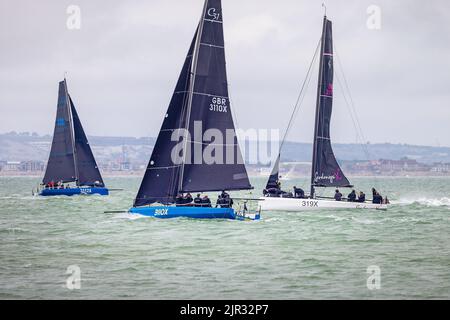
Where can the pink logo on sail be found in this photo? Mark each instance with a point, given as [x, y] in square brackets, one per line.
[329, 91]
[337, 175]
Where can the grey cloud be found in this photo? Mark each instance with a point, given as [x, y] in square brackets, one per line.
[123, 64]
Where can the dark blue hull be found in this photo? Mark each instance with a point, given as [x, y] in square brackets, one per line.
[166, 212]
[74, 191]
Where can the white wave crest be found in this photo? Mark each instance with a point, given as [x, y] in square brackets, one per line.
[429, 202]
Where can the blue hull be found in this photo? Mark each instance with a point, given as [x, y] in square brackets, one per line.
[166, 212]
[74, 191]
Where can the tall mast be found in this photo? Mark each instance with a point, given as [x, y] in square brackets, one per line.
[191, 91]
[72, 133]
[319, 85]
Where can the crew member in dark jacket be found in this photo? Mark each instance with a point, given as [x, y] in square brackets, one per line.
[188, 198]
[374, 192]
[206, 202]
[362, 197]
[198, 200]
[179, 199]
[377, 198]
[351, 196]
[337, 195]
[299, 193]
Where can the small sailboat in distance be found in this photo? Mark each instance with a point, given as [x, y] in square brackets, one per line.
[71, 159]
[199, 104]
[325, 171]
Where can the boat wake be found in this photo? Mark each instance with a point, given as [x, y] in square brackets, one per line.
[428, 202]
[128, 216]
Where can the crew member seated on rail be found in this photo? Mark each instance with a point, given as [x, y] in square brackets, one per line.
[188, 198]
[224, 194]
[272, 192]
[361, 197]
[377, 199]
[284, 194]
[374, 192]
[299, 193]
[337, 195]
[179, 199]
[206, 202]
[97, 184]
[198, 200]
[224, 200]
[351, 196]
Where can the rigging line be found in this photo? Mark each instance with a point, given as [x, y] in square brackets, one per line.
[301, 96]
[352, 105]
[359, 132]
[352, 116]
[347, 104]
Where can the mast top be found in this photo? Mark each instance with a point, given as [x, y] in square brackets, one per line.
[325, 9]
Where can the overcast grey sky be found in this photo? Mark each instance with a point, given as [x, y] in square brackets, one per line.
[124, 62]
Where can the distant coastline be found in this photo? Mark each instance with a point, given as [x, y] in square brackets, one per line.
[140, 174]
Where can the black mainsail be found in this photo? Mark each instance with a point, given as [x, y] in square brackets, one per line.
[61, 162]
[200, 105]
[71, 158]
[325, 168]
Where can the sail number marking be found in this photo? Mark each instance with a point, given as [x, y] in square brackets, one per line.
[218, 104]
[161, 212]
[310, 203]
[85, 190]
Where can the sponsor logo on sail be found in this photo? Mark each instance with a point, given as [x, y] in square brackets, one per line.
[60, 122]
[336, 176]
[212, 14]
[329, 91]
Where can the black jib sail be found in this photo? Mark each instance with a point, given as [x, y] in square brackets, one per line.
[273, 181]
[160, 182]
[61, 162]
[325, 169]
[210, 156]
[88, 173]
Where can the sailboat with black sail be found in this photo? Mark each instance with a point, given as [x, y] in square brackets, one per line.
[200, 106]
[325, 171]
[71, 159]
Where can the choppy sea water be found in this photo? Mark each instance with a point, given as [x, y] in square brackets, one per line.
[308, 255]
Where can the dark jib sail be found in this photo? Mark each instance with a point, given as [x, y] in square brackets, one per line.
[215, 162]
[273, 181]
[88, 173]
[325, 169]
[61, 164]
[200, 102]
[160, 182]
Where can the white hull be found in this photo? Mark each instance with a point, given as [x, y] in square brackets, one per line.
[294, 204]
